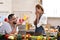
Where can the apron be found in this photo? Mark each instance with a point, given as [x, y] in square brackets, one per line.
[39, 31]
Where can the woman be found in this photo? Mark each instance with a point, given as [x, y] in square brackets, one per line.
[40, 20]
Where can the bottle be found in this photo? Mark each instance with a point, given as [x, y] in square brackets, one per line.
[26, 25]
[19, 37]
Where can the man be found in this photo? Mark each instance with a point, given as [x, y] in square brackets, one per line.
[10, 26]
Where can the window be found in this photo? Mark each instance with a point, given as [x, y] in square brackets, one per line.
[51, 7]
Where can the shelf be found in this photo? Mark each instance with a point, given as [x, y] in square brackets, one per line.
[32, 30]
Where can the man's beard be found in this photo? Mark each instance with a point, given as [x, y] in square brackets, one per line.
[14, 23]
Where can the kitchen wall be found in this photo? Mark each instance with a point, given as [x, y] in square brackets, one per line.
[5, 7]
[53, 21]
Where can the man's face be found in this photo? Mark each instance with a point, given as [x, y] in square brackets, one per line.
[13, 19]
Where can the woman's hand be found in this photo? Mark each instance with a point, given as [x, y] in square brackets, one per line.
[37, 15]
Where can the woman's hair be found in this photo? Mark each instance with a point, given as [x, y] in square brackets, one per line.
[39, 6]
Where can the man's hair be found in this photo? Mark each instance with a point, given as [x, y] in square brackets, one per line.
[10, 16]
[39, 6]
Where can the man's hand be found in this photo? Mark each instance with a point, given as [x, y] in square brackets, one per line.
[13, 31]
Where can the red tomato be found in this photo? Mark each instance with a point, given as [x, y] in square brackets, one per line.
[29, 35]
[6, 19]
[21, 20]
[6, 36]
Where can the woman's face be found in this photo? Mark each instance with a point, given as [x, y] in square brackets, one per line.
[39, 11]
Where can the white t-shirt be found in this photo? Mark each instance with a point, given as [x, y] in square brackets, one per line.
[43, 20]
[6, 28]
